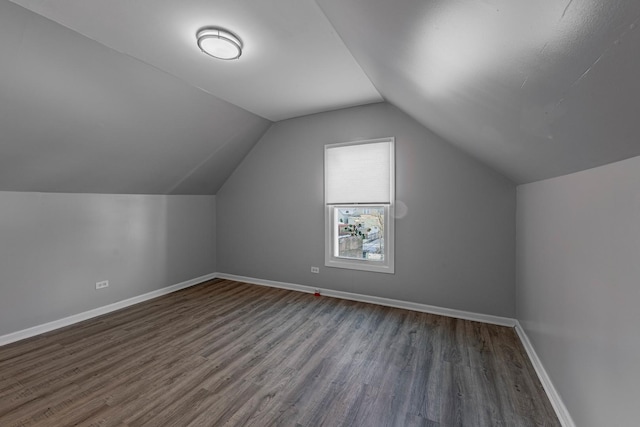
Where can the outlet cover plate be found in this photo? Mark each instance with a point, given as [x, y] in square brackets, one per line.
[102, 285]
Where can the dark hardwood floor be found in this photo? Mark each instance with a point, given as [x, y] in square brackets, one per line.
[228, 353]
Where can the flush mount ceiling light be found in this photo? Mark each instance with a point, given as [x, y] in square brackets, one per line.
[219, 43]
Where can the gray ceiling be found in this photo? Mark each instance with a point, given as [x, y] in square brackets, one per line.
[534, 88]
[115, 97]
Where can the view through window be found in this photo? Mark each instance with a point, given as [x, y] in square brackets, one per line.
[360, 232]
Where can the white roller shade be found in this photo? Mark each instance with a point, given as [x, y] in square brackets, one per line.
[359, 172]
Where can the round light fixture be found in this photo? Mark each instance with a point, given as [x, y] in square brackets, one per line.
[219, 43]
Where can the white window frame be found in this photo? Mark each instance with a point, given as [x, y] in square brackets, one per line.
[331, 260]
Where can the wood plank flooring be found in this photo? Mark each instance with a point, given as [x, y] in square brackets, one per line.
[225, 353]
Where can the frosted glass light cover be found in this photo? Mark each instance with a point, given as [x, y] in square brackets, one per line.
[359, 173]
[219, 43]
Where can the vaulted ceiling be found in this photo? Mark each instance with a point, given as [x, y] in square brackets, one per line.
[115, 97]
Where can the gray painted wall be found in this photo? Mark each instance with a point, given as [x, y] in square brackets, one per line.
[577, 288]
[455, 244]
[54, 247]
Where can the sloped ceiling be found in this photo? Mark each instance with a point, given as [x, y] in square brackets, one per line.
[534, 88]
[76, 116]
[115, 97]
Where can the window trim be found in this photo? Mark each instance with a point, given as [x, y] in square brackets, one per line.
[386, 266]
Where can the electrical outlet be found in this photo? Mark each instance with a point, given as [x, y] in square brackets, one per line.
[103, 284]
[315, 270]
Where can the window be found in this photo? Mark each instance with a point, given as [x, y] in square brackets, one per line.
[359, 184]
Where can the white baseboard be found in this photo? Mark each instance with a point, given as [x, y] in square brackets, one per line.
[460, 314]
[552, 393]
[56, 324]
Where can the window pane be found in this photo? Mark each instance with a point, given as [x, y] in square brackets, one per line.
[359, 232]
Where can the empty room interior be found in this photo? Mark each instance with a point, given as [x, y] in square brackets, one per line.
[319, 212]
